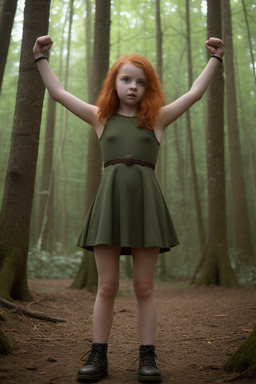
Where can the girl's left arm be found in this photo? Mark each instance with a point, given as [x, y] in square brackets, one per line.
[171, 112]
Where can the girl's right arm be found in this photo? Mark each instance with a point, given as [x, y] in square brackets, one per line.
[84, 111]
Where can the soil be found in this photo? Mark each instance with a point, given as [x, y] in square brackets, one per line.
[198, 329]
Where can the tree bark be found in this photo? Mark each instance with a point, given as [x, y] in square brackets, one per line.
[8, 10]
[242, 238]
[199, 214]
[45, 219]
[216, 268]
[94, 161]
[64, 223]
[20, 176]
[250, 41]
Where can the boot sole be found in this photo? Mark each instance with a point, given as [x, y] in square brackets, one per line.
[150, 379]
[92, 378]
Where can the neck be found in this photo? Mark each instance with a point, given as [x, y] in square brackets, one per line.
[129, 112]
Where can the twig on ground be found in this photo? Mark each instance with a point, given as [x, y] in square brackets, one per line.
[36, 315]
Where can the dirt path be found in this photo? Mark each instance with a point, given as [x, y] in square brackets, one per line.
[198, 329]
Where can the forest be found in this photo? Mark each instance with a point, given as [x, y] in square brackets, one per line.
[50, 162]
[174, 43]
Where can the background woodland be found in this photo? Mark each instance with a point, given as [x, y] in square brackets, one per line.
[171, 34]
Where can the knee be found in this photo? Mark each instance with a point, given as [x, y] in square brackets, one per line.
[108, 290]
[143, 291]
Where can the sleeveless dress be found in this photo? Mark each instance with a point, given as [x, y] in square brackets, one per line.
[128, 210]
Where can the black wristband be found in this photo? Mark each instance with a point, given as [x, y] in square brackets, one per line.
[217, 57]
[40, 58]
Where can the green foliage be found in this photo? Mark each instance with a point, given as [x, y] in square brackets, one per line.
[245, 273]
[42, 265]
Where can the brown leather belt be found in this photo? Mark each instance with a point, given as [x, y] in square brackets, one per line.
[129, 160]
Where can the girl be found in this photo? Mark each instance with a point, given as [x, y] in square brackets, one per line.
[129, 214]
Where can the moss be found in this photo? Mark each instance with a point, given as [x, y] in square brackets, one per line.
[13, 274]
[5, 347]
[87, 274]
[80, 280]
[244, 358]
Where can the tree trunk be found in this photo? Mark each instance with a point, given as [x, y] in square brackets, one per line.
[160, 165]
[20, 176]
[216, 268]
[8, 10]
[64, 232]
[244, 358]
[46, 203]
[88, 38]
[242, 238]
[159, 42]
[250, 41]
[94, 161]
[199, 214]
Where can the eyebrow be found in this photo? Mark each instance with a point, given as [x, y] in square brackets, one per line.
[126, 75]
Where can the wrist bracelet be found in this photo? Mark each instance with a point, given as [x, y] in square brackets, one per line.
[217, 57]
[40, 58]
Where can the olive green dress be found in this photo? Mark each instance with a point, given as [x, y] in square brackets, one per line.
[129, 210]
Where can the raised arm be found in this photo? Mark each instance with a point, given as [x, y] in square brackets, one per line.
[84, 111]
[171, 112]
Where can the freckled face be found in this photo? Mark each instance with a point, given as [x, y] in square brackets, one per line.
[130, 85]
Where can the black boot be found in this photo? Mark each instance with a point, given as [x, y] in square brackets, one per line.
[96, 366]
[148, 371]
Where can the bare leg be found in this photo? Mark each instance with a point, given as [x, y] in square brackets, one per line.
[144, 265]
[107, 261]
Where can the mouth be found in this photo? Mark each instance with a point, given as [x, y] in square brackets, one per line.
[132, 95]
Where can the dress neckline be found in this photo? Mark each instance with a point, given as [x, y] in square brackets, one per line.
[129, 117]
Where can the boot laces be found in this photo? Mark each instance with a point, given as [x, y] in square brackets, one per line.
[147, 357]
[94, 357]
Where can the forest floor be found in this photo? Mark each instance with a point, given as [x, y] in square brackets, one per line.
[198, 329]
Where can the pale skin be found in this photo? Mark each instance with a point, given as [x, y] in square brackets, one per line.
[130, 87]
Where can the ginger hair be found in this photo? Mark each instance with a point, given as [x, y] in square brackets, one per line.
[153, 99]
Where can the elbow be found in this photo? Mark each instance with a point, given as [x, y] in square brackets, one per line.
[56, 95]
[197, 95]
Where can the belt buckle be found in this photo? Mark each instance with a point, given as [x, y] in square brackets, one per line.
[129, 160]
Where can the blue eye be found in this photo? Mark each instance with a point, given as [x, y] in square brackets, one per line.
[126, 80]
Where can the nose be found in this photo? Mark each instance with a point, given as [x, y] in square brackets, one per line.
[133, 85]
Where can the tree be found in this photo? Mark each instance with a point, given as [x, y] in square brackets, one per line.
[8, 10]
[216, 268]
[63, 137]
[249, 41]
[244, 358]
[161, 169]
[242, 238]
[46, 202]
[20, 176]
[87, 273]
[190, 137]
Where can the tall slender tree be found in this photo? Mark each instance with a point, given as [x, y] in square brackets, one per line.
[7, 14]
[87, 273]
[45, 219]
[250, 41]
[161, 163]
[64, 125]
[216, 268]
[20, 176]
[242, 238]
[199, 214]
